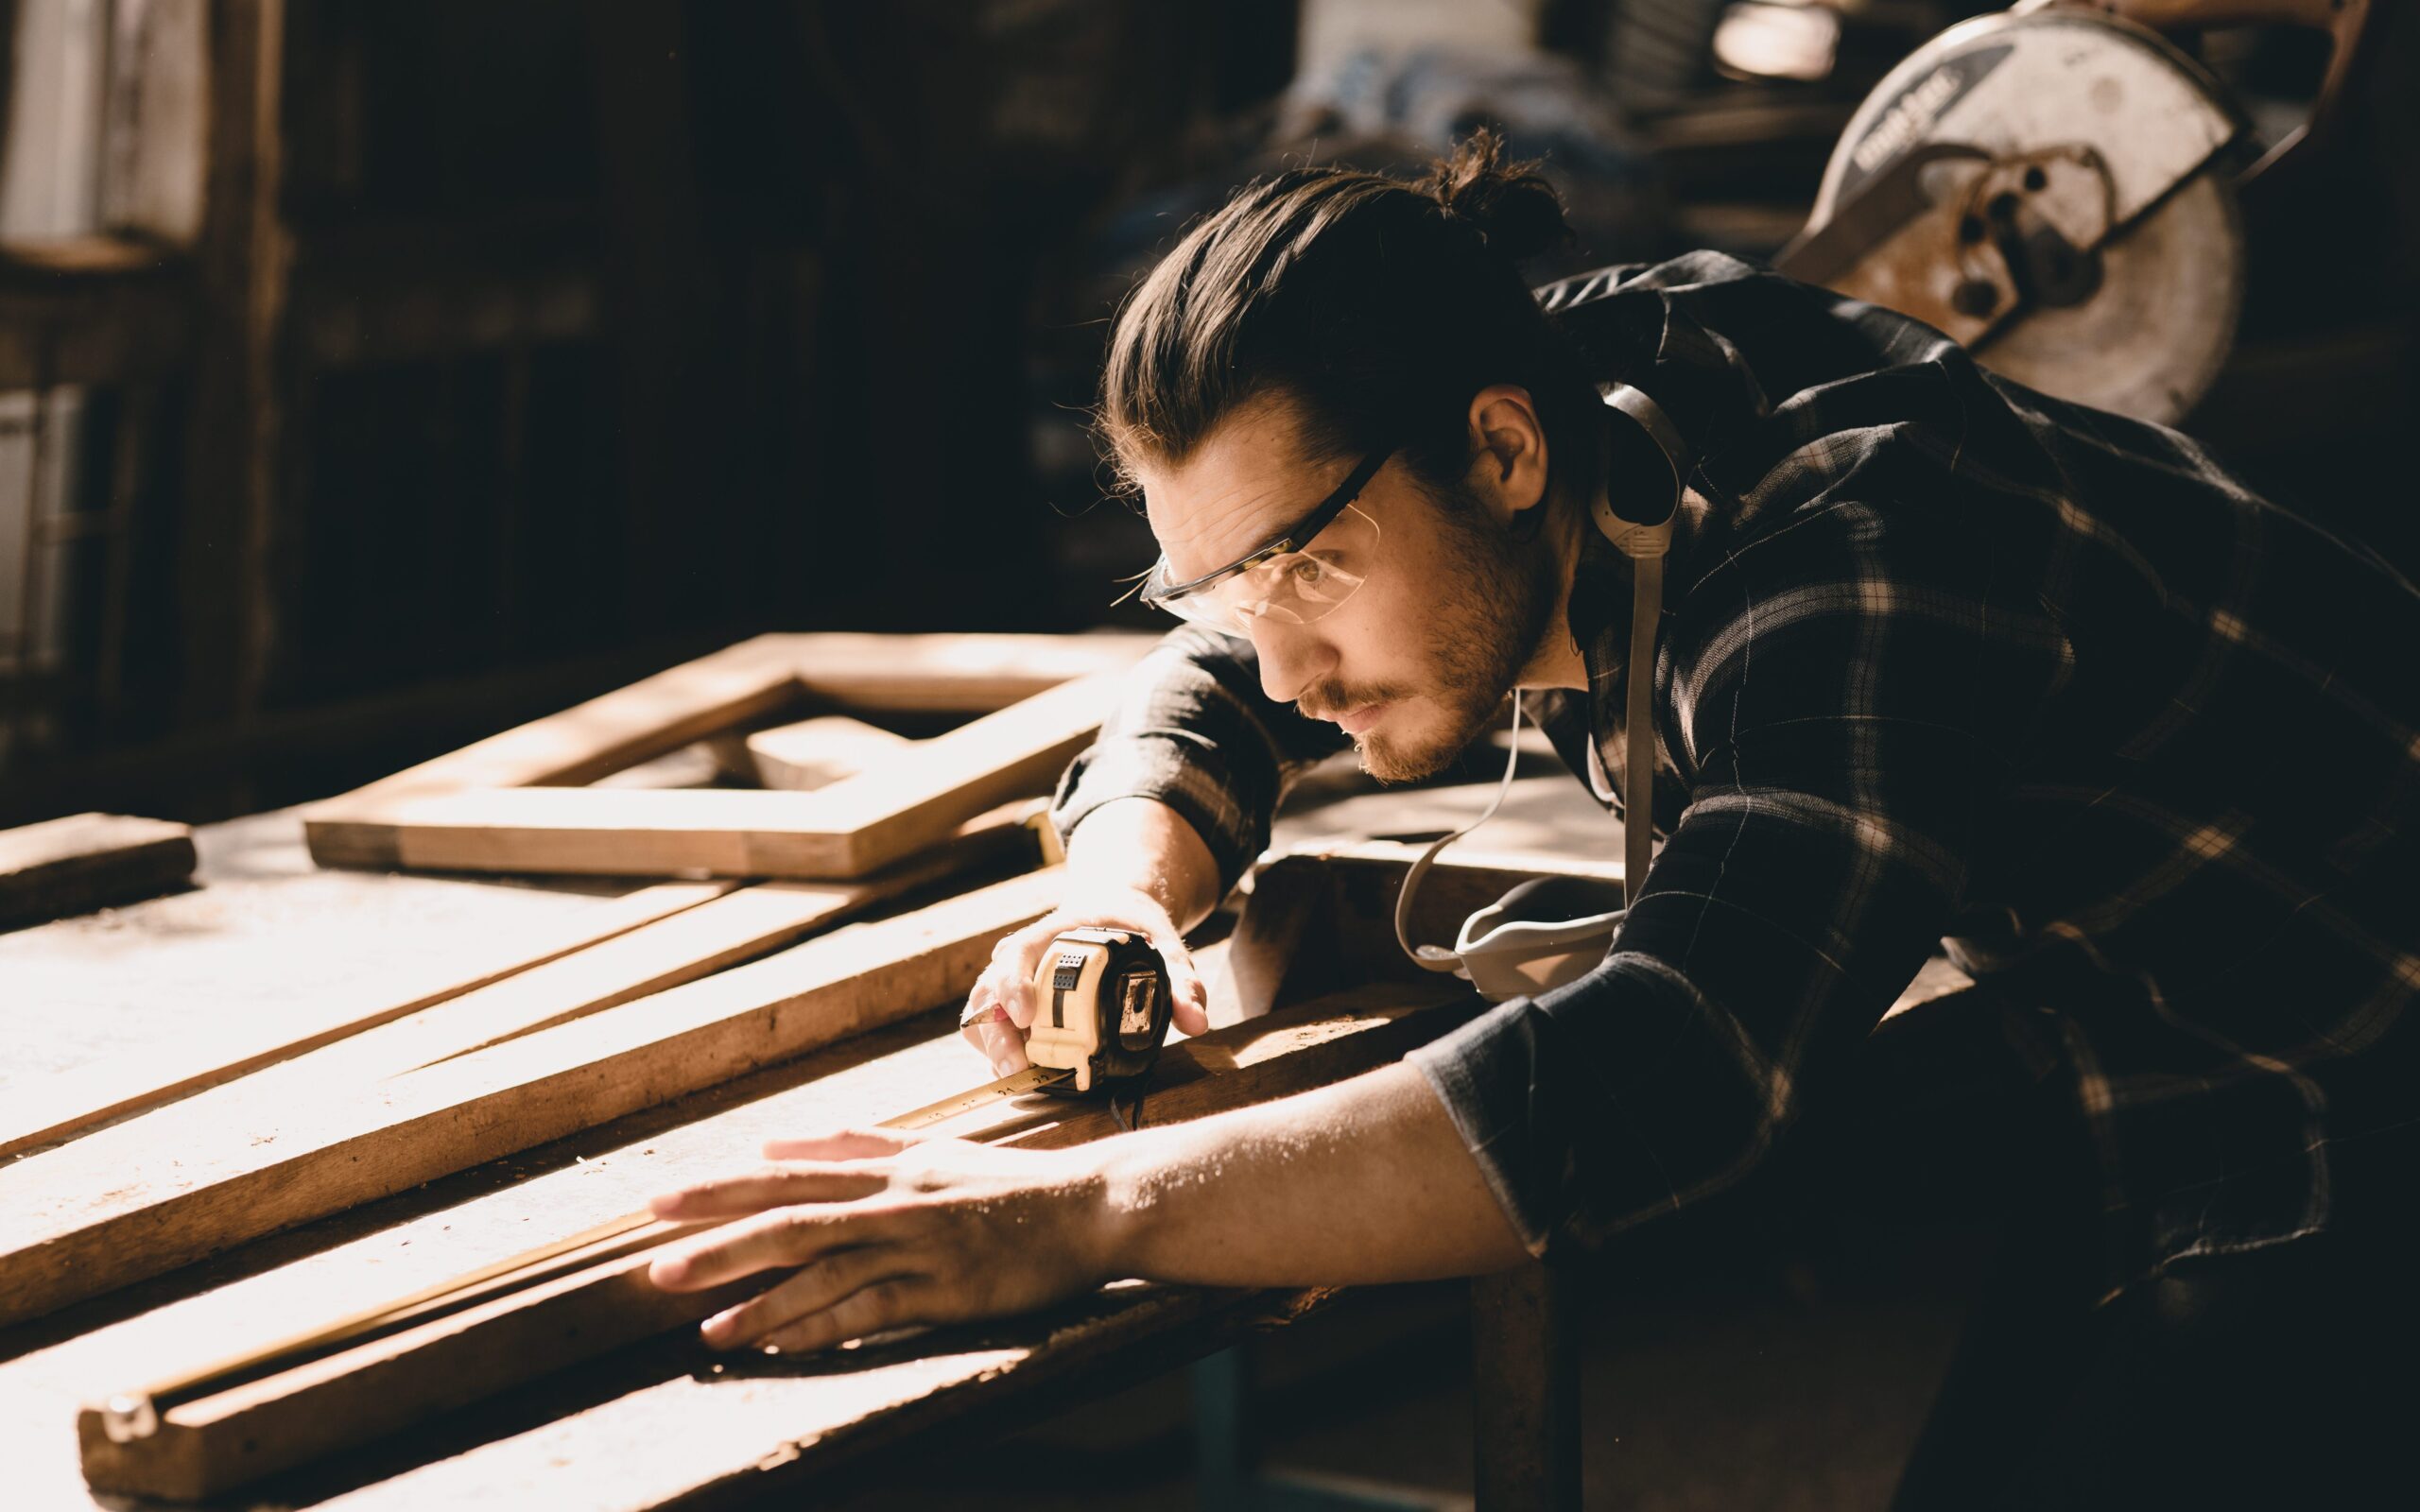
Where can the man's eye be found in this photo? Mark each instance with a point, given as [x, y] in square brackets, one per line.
[1307, 571]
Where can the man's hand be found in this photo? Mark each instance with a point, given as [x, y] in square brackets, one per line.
[882, 1232]
[1364, 1181]
[1002, 1005]
[1135, 864]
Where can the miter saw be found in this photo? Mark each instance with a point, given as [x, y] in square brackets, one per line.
[2055, 187]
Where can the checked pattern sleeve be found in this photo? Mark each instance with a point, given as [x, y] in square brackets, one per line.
[1846, 723]
[1193, 730]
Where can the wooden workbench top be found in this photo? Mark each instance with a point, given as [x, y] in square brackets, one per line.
[267, 934]
[663, 1422]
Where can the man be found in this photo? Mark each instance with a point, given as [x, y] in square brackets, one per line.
[1940, 659]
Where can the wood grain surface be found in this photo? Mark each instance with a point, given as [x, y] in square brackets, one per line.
[236, 1163]
[85, 861]
[232, 1437]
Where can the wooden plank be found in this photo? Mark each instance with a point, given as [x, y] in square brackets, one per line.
[816, 753]
[850, 828]
[611, 730]
[747, 923]
[610, 832]
[206, 1445]
[60, 1106]
[902, 806]
[658, 938]
[363, 1392]
[220, 1168]
[954, 673]
[751, 922]
[86, 861]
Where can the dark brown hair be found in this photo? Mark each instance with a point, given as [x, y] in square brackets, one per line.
[1378, 307]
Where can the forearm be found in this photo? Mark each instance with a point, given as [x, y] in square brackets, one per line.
[1362, 1182]
[1365, 1181]
[1193, 733]
[1140, 844]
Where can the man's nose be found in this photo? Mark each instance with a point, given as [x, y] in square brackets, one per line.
[1292, 658]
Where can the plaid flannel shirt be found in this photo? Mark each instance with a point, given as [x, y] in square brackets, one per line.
[1942, 660]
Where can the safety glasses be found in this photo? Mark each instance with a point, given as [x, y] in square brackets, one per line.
[1300, 576]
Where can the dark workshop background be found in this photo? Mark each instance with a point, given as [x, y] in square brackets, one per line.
[373, 376]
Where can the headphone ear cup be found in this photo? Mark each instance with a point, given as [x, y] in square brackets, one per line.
[1646, 454]
[1634, 456]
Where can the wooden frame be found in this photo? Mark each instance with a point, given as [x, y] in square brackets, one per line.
[512, 802]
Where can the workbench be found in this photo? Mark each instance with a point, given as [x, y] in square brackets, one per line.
[666, 1423]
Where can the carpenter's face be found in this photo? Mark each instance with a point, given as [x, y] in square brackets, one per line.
[1414, 665]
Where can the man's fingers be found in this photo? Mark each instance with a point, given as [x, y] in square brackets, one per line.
[888, 1304]
[732, 1253]
[1003, 1046]
[816, 1287]
[841, 1144]
[1008, 982]
[1192, 1004]
[734, 1196]
[996, 1040]
[1013, 991]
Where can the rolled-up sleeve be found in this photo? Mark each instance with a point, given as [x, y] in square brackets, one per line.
[1193, 729]
[1852, 734]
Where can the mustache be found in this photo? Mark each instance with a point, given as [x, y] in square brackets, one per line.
[1328, 699]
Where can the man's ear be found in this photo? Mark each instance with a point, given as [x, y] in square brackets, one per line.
[1508, 454]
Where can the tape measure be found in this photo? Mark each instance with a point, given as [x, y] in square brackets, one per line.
[1102, 1004]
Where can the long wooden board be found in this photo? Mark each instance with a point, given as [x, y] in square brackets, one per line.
[58, 1107]
[746, 924]
[85, 861]
[952, 673]
[206, 1445]
[849, 829]
[218, 1169]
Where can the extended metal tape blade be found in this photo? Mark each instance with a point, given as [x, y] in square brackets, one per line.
[1031, 1080]
[130, 1416]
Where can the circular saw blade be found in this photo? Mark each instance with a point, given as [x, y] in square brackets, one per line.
[2151, 342]
[2149, 339]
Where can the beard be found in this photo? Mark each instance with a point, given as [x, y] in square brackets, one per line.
[1486, 621]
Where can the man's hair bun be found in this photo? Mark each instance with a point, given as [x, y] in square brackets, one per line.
[1510, 204]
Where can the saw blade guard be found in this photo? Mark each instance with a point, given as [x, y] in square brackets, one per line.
[2054, 191]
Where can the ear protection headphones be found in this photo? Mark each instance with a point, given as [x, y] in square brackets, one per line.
[1550, 931]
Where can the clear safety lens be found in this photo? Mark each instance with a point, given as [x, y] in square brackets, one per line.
[1292, 588]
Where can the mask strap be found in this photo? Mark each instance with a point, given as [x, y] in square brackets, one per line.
[1437, 957]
